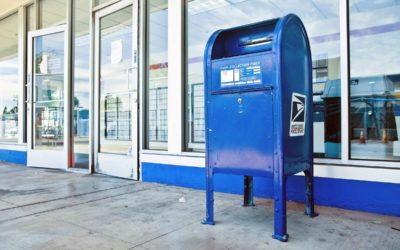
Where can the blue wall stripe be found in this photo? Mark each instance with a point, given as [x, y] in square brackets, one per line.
[13, 156]
[374, 197]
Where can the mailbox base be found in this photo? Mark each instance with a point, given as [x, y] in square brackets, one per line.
[283, 238]
[206, 222]
[310, 210]
[248, 197]
[311, 215]
[209, 220]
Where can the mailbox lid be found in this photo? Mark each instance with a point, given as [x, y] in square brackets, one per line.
[240, 132]
[242, 40]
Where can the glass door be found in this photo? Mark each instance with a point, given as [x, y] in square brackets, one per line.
[116, 90]
[47, 101]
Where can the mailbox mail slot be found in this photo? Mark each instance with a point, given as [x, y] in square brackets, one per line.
[258, 96]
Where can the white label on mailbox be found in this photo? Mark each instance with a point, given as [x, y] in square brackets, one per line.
[298, 115]
[247, 73]
[236, 75]
[226, 75]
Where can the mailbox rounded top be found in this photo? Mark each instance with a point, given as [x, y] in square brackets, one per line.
[253, 38]
[272, 55]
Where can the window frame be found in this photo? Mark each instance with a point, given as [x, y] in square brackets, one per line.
[344, 41]
[21, 14]
[145, 93]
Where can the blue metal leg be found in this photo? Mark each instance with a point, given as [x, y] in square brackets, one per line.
[248, 191]
[310, 194]
[209, 220]
[280, 231]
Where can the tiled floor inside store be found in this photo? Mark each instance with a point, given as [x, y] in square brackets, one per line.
[51, 209]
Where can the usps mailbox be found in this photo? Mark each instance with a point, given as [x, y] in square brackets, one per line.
[258, 96]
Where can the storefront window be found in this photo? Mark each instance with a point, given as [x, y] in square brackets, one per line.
[157, 76]
[116, 90]
[81, 59]
[321, 20]
[374, 80]
[48, 84]
[9, 79]
[52, 13]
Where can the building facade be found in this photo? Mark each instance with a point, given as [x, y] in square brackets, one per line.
[116, 87]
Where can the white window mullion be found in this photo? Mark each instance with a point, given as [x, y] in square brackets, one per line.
[175, 75]
[344, 75]
[21, 72]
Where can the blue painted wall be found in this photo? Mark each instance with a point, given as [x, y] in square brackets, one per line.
[13, 156]
[374, 197]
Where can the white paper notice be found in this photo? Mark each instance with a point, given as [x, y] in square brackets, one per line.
[236, 75]
[226, 76]
[116, 51]
[44, 64]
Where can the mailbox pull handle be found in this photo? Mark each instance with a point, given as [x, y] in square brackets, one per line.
[256, 42]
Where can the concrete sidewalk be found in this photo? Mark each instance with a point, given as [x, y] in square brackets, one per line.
[50, 209]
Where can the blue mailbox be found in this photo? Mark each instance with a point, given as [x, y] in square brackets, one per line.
[258, 103]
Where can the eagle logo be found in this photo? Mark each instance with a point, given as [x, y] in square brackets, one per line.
[298, 115]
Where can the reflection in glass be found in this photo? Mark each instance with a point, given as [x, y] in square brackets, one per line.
[321, 20]
[81, 59]
[52, 13]
[9, 79]
[117, 123]
[115, 82]
[374, 80]
[48, 85]
[157, 85]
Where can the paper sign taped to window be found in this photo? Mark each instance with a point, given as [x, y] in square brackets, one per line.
[116, 51]
[44, 65]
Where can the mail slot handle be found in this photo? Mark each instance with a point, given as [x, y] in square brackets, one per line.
[256, 42]
[243, 90]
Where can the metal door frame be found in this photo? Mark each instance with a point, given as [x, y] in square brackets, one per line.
[116, 159]
[47, 158]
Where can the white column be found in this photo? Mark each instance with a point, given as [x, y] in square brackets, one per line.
[344, 75]
[68, 126]
[22, 29]
[92, 70]
[142, 72]
[176, 76]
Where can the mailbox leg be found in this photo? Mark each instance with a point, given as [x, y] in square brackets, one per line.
[209, 220]
[280, 230]
[310, 194]
[248, 191]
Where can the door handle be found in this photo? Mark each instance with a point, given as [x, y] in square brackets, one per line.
[34, 95]
[28, 93]
[128, 80]
[135, 58]
[28, 86]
